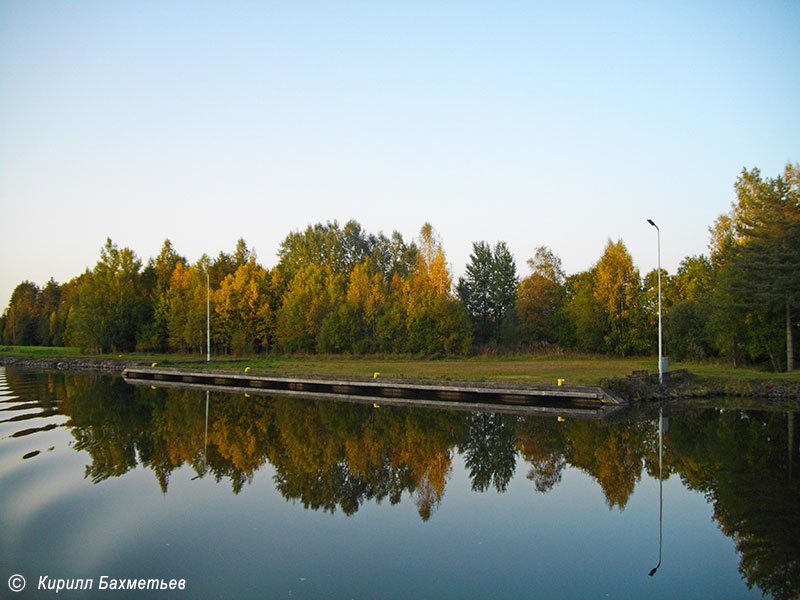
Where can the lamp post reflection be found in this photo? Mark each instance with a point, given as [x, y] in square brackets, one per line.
[660, 485]
[205, 445]
[205, 439]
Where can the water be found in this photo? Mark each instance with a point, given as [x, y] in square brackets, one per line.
[285, 498]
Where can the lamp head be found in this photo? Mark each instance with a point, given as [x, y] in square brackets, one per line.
[651, 223]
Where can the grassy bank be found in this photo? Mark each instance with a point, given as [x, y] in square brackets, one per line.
[574, 369]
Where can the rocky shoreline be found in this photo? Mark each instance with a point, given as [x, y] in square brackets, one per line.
[76, 365]
[683, 384]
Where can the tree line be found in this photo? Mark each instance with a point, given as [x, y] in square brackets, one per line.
[340, 289]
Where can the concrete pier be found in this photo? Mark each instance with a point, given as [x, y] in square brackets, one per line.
[564, 400]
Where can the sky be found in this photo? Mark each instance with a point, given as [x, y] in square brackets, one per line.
[559, 124]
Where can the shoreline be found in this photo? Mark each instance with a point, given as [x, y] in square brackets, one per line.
[634, 388]
[67, 364]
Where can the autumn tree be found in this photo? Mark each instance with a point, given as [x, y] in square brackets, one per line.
[243, 315]
[226, 264]
[186, 308]
[436, 322]
[618, 290]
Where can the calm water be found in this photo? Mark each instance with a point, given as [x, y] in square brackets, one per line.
[284, 498]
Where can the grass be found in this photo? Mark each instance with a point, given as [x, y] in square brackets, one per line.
[40, 351]
[573, 368]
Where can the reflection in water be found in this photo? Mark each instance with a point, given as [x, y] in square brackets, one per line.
[337, 456]
[660, 486]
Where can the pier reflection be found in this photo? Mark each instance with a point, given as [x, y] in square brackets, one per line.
[336, 456]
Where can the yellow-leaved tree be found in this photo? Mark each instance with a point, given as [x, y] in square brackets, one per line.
[436, 321]
[618, 289]
[243, 311]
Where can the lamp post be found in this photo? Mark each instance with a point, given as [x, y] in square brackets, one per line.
[208, 317]
[660, 361]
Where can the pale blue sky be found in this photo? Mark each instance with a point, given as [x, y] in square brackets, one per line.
[561, 124]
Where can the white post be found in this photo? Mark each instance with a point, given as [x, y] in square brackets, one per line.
[660, 361]
[208, 318]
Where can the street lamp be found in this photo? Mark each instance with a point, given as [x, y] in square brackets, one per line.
[660, 361]
[208, 318]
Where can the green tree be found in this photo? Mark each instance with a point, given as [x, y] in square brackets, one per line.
[540, 297]
[755, 250]
[688, 313]
[587, 323]
[49, 330]
[393, 256]
[766, 259]
[155, 334]
[353, 325]
[313, 292]
[489, 451]
[110, 305]
[488, 290]
[327, 246]
[21, 324]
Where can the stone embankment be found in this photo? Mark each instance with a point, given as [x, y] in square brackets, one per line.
[80, 365]
[644, 386]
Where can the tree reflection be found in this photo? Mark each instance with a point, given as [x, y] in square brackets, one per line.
[742, 462]
[334, 456]
[489, 451]
[542, 443]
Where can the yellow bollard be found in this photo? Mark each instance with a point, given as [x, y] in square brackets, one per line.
[375, 375]
[246, 369]
[560, 382]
